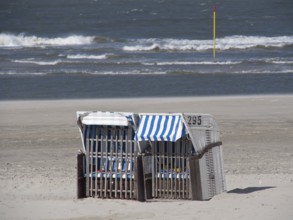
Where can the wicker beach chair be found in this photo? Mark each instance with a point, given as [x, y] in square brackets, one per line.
[107, 163]
[182, 156]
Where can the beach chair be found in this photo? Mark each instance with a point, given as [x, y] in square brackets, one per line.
[182, 156]
[107, 162]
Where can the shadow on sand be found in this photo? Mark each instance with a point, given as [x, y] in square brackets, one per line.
[250, 189]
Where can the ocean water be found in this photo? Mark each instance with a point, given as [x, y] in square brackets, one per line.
[62, 49]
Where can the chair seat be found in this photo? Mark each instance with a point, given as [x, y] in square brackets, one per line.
[172, 174]
[114, 175]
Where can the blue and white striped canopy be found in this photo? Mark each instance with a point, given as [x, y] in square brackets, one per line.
[160, 128]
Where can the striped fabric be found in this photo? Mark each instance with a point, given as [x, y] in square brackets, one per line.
[160, 128]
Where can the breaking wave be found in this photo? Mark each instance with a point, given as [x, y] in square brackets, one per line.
[256, 71]
[137, 72]
[193, 63]
[84, 56]
[55, 62]
[282, 61]
[82, 72]
[226, 43]
[22, 73]
[22, 40]
[237, 42]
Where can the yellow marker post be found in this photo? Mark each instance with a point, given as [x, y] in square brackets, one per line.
[214, 32]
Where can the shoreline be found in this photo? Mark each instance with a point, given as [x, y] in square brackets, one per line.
[200, 97]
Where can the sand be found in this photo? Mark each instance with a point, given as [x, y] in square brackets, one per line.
[39, 141]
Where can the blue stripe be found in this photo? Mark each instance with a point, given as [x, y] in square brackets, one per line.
[151, 128]
[139, 125]
[176, 129]
[158, 127]
[183, 131]
[136, 133]
[164, 128]
[144, 127]
[171, 129]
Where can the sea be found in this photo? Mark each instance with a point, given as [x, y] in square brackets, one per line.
[80, 49]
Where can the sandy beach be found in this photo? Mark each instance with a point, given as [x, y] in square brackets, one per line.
[39, 141]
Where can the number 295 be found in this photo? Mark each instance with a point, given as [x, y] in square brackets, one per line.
[194, 120]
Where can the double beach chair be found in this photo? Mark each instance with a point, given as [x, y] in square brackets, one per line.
[146, 156]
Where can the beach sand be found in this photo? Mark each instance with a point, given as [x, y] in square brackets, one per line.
[39, 141]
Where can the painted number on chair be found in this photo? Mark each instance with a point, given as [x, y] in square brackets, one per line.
[193, 120]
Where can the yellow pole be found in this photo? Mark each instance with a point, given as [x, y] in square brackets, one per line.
[214, 32]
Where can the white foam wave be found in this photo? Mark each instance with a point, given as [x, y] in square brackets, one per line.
[84, 72]
[21, 40]
[226, 43]
[75, 72]
[23, 73]
[193, 63]
[282, 61]
[122, 73]
[55, 62]
[154, 46]
[264, 71]
[272, 61]
[84, 56]
[245, 42]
